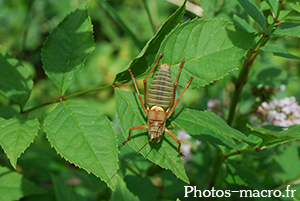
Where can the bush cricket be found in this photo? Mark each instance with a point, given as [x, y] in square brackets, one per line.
[160, 101]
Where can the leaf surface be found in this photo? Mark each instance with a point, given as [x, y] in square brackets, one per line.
[274, 135]
[15, 80]
[122, 193]
[274, 4]
[84, 137]
[271, 75]
[140, 64]
[252, 9]
[208, 125]
[67, 47]
[243, 24]
[16, 134]
[137, 186]
[295, 7]
[13, 186]
[288, 29]
[278, 50]
[288, 160]
[211, 48]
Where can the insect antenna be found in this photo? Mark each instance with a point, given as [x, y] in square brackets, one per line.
[122, 167]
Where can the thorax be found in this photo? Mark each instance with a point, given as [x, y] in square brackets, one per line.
[156, 122]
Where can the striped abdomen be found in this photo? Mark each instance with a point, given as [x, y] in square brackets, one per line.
[161, 88]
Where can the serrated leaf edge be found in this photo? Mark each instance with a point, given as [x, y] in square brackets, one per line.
[61, 155]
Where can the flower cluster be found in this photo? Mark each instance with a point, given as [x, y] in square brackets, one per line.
[284, 112]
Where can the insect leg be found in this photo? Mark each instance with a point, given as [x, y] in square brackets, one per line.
[178, 99]
[137, 90]
[133, 128]
[176, 83]
[178, 141]
[146, 78]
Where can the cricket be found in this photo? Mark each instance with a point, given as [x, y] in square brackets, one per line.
[160, 102]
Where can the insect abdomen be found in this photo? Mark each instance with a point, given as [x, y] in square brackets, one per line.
[161, 88]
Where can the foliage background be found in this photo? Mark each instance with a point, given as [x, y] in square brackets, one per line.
[24, 28]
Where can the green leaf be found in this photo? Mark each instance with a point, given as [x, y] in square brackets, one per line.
[137, 186]
[292, 19]
[140, 63]
[170, 184]
[271, 75]
[122, 193]
[84, 137]
[16, 134]
[239, 173]
[209, 8]
[295, 7]
[219, 9]
[67, 47]
[8, 111]
[243, 24]
[292, 131]
[288, 29]
[288, 161]
[278, 50]
[15, 80]
[274, 135]
[13, 186]
[274, 4]
[211, 49]
[64, 192]
[284, 15]
[209, 126]
[263, 6]
[252, 10]
[164, 153]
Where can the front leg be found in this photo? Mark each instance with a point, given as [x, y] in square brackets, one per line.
[133, 128]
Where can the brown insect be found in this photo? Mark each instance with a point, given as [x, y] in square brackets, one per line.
[160, 101]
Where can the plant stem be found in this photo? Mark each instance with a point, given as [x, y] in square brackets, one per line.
[64, 98]
[292, 182]
[39, 106]
[245, 150]
[149, 16]
[243, 76]
[215, 172]
[87, 91]
[239, 85]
